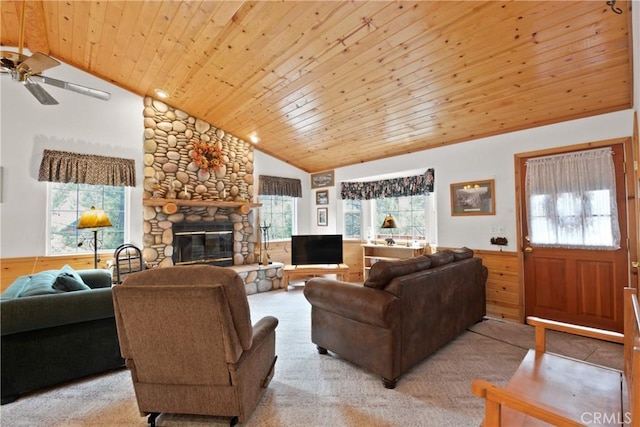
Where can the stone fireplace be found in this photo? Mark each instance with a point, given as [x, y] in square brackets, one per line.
[178, 194]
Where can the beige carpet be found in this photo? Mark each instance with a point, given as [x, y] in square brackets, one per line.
[309, 389]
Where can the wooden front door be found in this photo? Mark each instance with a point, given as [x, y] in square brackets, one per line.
[578, 286]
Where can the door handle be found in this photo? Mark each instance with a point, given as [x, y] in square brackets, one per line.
[528, 249]
[635, 264]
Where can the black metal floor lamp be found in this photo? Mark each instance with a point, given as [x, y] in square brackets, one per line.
[94, 219]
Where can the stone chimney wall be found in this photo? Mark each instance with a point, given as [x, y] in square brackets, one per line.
[170, 175]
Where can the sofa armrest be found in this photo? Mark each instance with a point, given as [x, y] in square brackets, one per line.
[262, 330]
[96, 278]
[366, 305]
[46, 311]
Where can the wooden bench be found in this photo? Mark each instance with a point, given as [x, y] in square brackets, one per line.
[551, 389]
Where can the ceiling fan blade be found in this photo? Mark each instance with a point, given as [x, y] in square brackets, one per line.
[40, 94]
[36, 63]
[73, 87]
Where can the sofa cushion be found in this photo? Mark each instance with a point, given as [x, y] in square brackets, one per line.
[69, 280]
[53, 282]
[41, 284]
[462, 253]
[441, 258]
[382, 272]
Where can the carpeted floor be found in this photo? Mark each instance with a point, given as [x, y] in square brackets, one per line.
[310, 389]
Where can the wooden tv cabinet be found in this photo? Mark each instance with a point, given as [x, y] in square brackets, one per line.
[311, 270]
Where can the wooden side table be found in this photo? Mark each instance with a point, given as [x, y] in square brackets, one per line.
[289, 271]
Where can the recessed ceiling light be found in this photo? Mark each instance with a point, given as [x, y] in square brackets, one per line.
[161, 93]
[254, 138]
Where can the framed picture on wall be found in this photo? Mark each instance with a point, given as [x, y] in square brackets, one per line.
[322, 179]
[322, 197]
[473, 198]
[323, 213]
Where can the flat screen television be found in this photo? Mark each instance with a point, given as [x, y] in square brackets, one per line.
[316, 249]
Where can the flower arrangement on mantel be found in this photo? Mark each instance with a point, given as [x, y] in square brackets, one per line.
[207, 156]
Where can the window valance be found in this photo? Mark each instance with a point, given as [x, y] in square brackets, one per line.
[397, 187]
[62, 166]
[278, 186]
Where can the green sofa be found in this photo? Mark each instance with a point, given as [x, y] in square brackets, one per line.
[57, 326]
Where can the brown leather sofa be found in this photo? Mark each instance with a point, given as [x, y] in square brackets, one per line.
[406, 310]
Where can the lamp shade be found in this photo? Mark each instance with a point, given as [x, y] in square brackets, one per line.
[94, 218]
[389, 222]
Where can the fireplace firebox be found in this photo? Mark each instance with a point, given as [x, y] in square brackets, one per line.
[203, 243]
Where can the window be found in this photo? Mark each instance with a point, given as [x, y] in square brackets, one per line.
[410, 213]
[66, 204]
[277, 213]
[352, 219]
[571, 200]
[580, 220]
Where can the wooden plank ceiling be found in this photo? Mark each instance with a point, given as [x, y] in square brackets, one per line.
[333, 83]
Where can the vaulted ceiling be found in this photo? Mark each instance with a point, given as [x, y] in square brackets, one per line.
[325, 84]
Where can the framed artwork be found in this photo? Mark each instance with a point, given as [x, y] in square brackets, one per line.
[473, 198]
[323, 213]
[322, 197]
[322, 179]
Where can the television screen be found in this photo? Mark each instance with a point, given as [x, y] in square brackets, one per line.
[316, 249]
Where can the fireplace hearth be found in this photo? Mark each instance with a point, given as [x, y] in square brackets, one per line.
[203, 243]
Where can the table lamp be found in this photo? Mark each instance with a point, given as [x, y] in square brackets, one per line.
[94, 219]
[389, 222]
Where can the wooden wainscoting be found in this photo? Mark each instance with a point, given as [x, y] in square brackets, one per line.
[279, 251]
[352, 256]
[12, 268]
[504, 291]
[505, 296]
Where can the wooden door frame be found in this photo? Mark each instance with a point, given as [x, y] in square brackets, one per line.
[633, 179]
[630, 189]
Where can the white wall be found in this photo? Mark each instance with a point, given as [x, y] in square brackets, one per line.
[78, 124]
[487, 158]
[267, 165]
[84, 125]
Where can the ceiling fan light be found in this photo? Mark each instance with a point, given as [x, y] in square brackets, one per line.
[161, 93]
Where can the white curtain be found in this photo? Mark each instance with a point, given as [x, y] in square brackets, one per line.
[571, 201]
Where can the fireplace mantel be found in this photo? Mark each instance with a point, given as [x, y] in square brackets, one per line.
[243, 207]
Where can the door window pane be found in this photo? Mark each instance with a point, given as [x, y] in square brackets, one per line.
[571, 201]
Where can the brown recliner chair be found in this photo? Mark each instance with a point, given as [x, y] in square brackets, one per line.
[187, 338]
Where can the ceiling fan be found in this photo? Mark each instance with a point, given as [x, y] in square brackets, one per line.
[28, 71]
